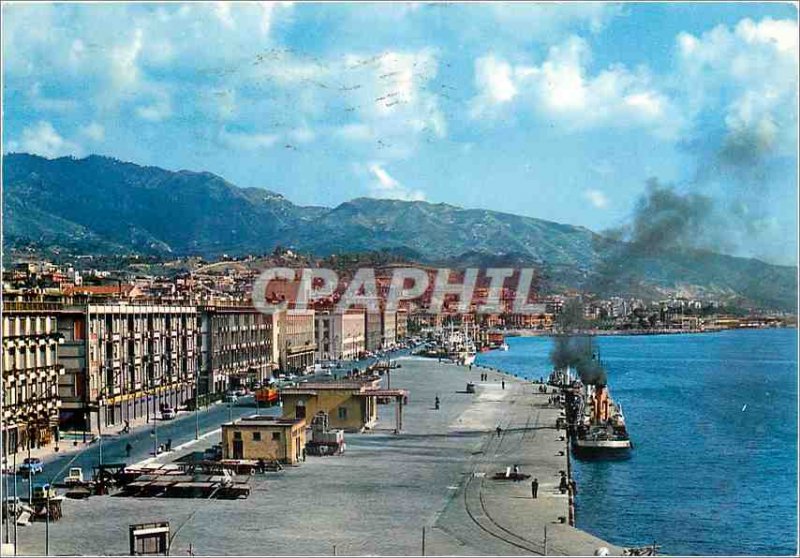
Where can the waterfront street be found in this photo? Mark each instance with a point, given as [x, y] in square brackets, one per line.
[378, 496]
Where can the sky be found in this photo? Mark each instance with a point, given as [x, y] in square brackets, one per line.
[557, 111]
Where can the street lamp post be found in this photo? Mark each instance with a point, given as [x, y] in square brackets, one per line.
[197, 402]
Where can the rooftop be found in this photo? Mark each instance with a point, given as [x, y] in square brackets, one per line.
[264, 420]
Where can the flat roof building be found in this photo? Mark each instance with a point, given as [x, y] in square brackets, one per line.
[264, 437]
[350, 405]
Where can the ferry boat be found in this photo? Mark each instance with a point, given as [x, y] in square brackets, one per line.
[601, 432]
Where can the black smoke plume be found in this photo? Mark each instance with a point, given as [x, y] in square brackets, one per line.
[571, 349]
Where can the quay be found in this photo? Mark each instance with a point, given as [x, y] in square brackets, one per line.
[427, 490]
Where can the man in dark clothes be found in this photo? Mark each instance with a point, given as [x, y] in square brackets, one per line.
[563, 485]
[499, 430]
[535, 488]
[503, 383]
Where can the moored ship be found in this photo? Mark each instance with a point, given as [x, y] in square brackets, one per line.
[600, 430]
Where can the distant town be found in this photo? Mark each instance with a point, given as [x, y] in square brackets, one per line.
[87, 349]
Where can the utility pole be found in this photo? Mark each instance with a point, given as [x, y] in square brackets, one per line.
[16, 504]
[196, 402]
[47, 524]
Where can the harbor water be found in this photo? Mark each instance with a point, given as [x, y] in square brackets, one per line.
[713, 420]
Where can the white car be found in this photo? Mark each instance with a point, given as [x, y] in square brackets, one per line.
[168, 414]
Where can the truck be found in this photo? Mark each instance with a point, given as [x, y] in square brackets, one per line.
[74, 477]
[267, 396]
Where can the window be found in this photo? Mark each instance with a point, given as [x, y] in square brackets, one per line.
[256, 436]
[276, 436]
[342, 412]
[237, 435]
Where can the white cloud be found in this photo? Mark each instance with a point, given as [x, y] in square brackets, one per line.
[386, 186]
[248, 141]
[494, 80]
[94, 131]
[159, 109]
[562, 89]
[597, 198]
[43, 139]
[751, 72]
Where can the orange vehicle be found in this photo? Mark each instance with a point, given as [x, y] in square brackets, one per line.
[268, 396]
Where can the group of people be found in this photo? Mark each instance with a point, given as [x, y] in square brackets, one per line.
[484, 376]
[563, 486]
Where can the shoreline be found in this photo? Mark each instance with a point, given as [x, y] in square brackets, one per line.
[633, 333]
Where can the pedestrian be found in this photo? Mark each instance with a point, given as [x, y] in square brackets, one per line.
[516, 472]
[304, 454]
[503, 384]
[128, 448]
[535, 489]
[169, 444]
[499, 430]
[563, 484]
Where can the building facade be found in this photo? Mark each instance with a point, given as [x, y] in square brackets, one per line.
[296, 340]
[264, 437]
[340, 336]
[402, 325]
[373, 331]
[388, 329]
[31, 374]
[236, 347]
[123, 362]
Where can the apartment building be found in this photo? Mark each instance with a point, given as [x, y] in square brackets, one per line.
[125, 361]
[402, 324]
[340, 336]
[30, 375]
[373, 331]
[296, 340]
[237, 347]
[388, 329]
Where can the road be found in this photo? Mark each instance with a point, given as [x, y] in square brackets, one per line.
[180, 430]
[142, 440]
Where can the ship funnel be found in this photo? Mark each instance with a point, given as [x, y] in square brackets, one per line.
[601, 404]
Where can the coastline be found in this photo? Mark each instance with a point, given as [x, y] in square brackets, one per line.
[634, 333]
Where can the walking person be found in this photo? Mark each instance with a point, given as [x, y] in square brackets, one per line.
[503, 384]
[128, 449]
[535, 489]
[499, 431]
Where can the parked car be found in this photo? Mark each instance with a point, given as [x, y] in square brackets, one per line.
[291, 377]
[231, 398]
[168, 414]
[31, 466]
[240, 392]
[44, 491]
[74, 477]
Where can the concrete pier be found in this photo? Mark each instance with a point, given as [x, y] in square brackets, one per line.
[378, 498]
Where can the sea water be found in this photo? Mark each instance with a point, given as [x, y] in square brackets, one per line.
[713, 420]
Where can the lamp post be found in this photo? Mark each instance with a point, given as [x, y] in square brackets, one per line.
[196, 402]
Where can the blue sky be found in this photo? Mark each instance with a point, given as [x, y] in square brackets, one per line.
[557, 111]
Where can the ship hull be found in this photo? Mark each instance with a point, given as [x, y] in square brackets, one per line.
[601, 449]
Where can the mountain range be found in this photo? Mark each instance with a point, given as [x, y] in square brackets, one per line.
[99, 205]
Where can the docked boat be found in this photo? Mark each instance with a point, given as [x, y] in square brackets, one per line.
[601, 432]
[459, 347]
